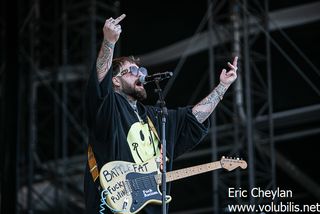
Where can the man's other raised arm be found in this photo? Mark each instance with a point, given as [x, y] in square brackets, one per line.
[111, 34]
[206, 106]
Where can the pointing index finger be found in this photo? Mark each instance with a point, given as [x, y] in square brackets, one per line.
[119, 19]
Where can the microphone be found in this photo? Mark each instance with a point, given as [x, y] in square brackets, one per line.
[155, 77]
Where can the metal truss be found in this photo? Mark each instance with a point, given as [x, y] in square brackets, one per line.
[246, 122]
[51, 161]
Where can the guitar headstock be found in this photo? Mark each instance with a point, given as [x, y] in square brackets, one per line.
[232, 163]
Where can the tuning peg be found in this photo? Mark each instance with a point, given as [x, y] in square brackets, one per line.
[223, 157]
[238, 158]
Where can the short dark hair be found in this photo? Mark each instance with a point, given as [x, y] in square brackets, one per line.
[117, 62]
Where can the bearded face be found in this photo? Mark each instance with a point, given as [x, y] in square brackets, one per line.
[127, 82]
[134, 90]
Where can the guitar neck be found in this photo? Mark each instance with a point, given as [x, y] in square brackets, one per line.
[190, 171]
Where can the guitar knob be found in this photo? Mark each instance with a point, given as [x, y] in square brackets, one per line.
[135, 201]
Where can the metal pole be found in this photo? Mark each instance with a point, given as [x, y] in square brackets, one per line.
[64, 122]
[238, 96]
[270, 99]
[32, 104]
[57, 139]
[56, 149]
[238, 87]
[32, 139]
[164, 164]
[248, 93]
[213, 135]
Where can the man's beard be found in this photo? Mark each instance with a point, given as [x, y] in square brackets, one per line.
[134, 92]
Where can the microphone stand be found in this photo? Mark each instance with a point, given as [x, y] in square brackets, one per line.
[164, 114]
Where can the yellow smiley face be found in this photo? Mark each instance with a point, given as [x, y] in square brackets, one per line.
[142, 142]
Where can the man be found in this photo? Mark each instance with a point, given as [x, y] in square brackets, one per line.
[121, 128]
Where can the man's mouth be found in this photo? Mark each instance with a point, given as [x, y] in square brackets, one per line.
[139, 84]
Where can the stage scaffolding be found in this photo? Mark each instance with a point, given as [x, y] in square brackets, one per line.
[239, 126]
[60, 40]
[58, 47]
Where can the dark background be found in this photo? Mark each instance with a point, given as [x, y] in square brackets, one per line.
[52, 46]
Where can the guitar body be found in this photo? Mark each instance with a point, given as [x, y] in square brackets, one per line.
[130, 186]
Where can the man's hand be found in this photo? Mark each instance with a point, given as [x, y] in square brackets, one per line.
[112, 29]
[206, 106]
[111, 33]
[227, 78]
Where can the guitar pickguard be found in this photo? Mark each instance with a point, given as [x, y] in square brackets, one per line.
[144, 188]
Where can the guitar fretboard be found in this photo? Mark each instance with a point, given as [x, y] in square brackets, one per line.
[190, 171]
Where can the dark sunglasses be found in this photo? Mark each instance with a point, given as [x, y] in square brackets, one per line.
[134, 71]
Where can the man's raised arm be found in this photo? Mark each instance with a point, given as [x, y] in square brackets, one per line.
[111, 33]
[206, 106]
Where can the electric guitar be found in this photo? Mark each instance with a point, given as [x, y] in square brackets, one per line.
[128, 187]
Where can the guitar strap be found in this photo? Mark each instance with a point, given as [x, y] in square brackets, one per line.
[92, 164]
[153, 129]
[93, 167]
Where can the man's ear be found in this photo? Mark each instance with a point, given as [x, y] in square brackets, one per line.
[116, 81]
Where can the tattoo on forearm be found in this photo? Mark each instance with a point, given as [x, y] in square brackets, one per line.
[200, 115]
[206, 106]
[104, 59]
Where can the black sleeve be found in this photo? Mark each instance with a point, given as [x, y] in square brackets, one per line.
[95, 94]
[187, 131]
[100, 103]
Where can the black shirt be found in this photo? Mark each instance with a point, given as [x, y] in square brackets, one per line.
[115, 133]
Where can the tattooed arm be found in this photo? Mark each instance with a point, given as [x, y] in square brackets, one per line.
[111, 33]
[206, 106]
[104, 59]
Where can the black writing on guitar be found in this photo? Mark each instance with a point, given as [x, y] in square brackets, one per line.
[132, 186]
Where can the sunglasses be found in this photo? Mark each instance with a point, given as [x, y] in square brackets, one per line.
[134, 71]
